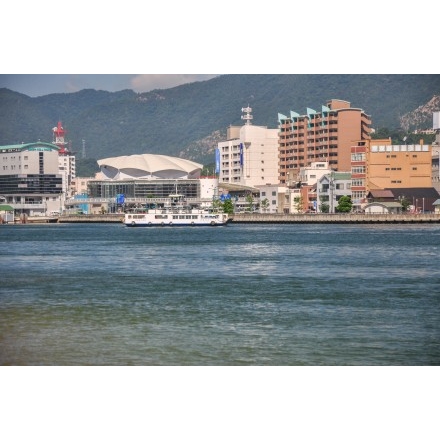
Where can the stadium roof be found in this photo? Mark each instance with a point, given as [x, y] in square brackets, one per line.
[149, 166]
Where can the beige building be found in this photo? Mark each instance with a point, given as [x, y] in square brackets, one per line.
[79, 185]
[250, 155]
[398, 166]
[377, 164]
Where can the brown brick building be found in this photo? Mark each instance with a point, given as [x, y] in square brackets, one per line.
[320, 136]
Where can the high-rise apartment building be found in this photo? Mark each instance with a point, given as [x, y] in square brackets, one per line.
[320, 136]
[250, 155]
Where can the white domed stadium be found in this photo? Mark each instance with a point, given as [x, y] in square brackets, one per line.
[149, 166]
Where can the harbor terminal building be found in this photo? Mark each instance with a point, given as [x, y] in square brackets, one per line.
[125, 182]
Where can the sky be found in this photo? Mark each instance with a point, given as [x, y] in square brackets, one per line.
[44, 84]
[88, 46]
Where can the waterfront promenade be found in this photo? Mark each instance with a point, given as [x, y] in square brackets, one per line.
[260, 218]
[336, 218]
[282, 218]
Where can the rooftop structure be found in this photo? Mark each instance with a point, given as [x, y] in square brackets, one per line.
[148, 166]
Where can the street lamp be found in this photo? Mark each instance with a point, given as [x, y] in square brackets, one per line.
[331, 185]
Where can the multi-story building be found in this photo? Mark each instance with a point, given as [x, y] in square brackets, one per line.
[249, 156]
[67, 168]
[377, 164]
[307, 180]
[330, 188]
[78, 185]
[399, 166]
[67, 160]
[320, 136]
[274, 199]
[30, 179]
[359, 185]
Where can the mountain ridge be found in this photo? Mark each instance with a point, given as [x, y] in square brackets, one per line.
[187, 120]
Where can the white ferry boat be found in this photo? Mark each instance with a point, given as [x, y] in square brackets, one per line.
[175, 215]
[160, 217]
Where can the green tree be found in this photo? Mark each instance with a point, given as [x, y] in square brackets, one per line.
[228, 207]
[344, 204]
[298, 204]
[250, 202]
[216, 204]
[401, 137]
[405, 203]
[324, 208]
[265, 204]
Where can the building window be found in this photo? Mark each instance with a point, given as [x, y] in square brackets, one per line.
[274, 193]
[358, 157]
[358, 170]
[358, 182]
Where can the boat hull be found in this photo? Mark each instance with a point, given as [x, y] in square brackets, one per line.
[175, 219]
[148, 225]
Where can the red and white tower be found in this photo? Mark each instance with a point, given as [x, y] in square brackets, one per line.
[58, 138]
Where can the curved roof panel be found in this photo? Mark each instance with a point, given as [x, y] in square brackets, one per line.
[148, 166]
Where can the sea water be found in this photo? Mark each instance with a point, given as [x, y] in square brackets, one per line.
[243, 294]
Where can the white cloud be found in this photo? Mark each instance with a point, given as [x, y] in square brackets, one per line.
[145, 83]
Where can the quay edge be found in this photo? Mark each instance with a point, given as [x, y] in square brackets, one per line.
[336, 218]
[265, 218]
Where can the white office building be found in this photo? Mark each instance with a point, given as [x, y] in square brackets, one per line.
[249, 157]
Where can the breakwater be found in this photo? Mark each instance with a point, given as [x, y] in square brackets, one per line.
[336, 218]
[261, 218]
[92, 218]
[281, 218]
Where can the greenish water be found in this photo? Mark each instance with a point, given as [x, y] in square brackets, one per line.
[104, 294]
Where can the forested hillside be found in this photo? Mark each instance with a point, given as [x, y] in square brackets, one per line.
[189, 120]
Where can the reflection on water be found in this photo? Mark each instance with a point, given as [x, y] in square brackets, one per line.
[239, 295]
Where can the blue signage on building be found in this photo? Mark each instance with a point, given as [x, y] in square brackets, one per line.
[217, 160]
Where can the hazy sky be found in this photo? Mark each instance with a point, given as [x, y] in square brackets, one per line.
[38, 84]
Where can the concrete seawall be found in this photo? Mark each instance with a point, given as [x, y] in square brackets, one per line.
[91, 218]
[336, 218]
[282, 218]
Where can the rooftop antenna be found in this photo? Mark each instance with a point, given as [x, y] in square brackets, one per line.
[83, 149]
[247, 115]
